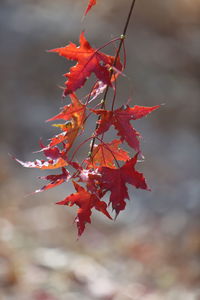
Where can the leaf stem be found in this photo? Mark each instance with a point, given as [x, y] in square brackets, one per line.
[111, 72]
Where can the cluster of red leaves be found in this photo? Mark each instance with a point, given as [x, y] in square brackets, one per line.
[108, 168]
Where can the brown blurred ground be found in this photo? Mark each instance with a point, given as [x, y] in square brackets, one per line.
[151, 252]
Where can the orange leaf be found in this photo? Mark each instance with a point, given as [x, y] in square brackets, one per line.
[55, 159]
[74, 110]
[104, 155]
[69, 134]
[74, 114]
[42, 164]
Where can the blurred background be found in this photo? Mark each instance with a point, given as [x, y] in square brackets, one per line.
[152, 250]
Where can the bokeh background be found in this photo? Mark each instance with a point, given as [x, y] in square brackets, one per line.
[151, 252]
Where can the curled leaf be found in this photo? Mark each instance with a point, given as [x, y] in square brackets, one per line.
[55, 159]
[55, 180]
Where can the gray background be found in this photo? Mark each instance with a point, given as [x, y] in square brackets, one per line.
[152, 250]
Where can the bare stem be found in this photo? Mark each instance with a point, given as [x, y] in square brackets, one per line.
[111, 72]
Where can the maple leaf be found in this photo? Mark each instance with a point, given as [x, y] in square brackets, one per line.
[92, 180]
[104, 154]
[74, 115]
[120, 119]
[89, 60]
[115, 180]
[74, 110]
[55, 180]
[42, 164]
[90, 4]
[85, 201]
[98, 89]
[90, 177]
[50, 153]
[55, 159]
[68, 136]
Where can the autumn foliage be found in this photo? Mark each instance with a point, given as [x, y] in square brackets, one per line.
[101, 179]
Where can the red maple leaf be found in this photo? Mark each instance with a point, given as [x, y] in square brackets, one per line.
[104, 155]
[55, 180]
[120, 119]
[115, 180]
[90, 4]
[85, 201]
[88, 60]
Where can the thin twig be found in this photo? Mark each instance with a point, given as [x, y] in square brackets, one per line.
[111, 72]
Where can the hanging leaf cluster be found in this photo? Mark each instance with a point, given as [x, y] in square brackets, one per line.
[101, 179]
